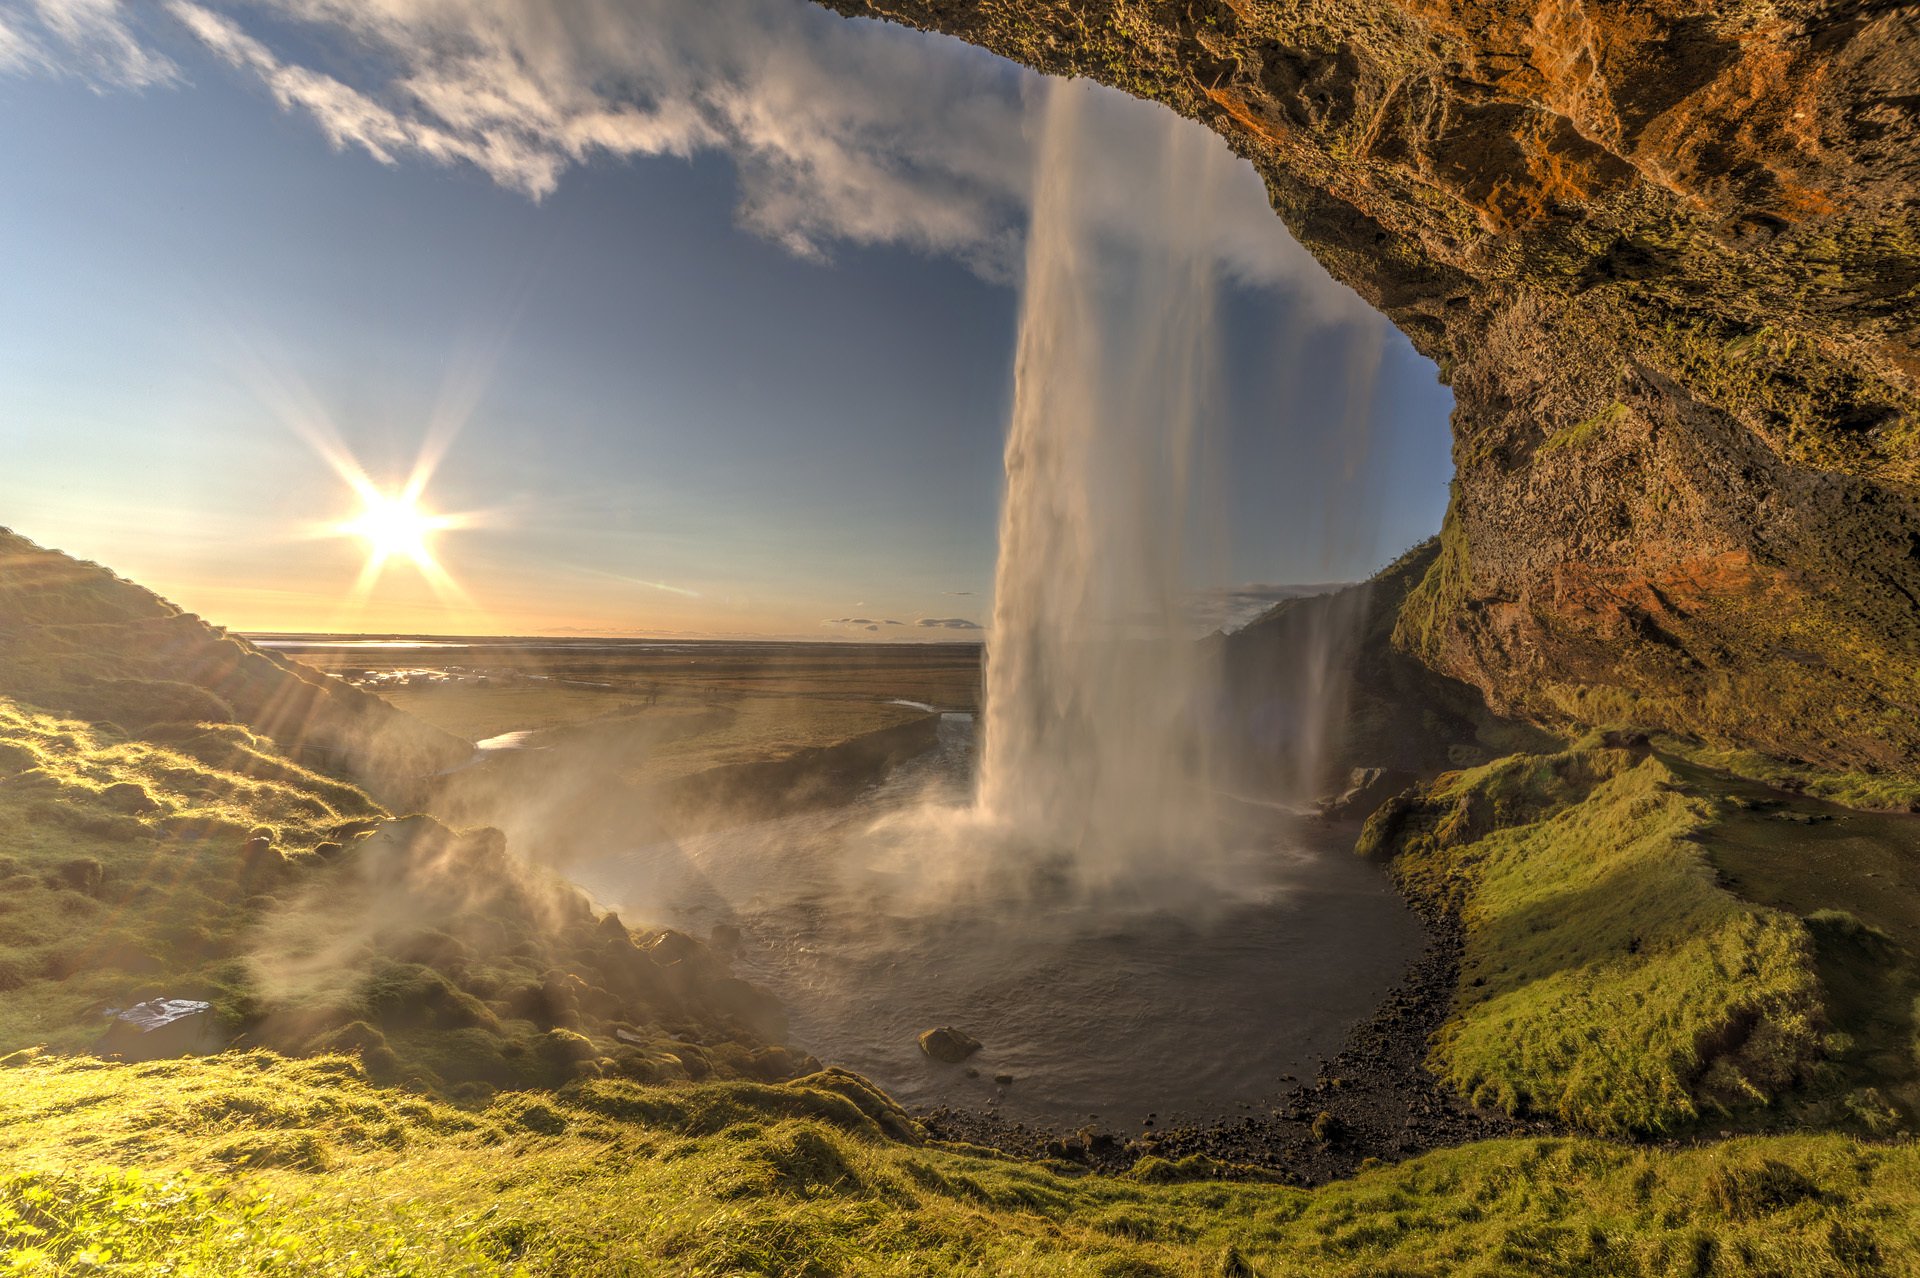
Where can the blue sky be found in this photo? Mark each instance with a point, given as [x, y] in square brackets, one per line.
[737, 363]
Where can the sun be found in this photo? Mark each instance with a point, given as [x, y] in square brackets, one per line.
[396, 527]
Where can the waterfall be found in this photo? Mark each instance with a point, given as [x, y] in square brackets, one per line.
[1098, 699]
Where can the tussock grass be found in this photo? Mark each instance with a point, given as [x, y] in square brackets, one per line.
[243, 1164]
[1608, 979]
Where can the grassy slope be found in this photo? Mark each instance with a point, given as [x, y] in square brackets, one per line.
[78, 641]
[124, 867]
[248, 1164]
[1611, 978]
[163, 846]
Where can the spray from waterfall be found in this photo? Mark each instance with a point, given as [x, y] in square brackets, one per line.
[1096, 736]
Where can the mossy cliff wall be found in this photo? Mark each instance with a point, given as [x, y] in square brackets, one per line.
[1667, 254]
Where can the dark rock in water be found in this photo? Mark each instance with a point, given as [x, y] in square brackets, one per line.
[949, 1044]
[1005, 1080]
[1367, 789]
[673, 947]
[161, 1028]
[725, 938]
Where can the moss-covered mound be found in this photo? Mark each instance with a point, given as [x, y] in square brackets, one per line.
[1612, 976]
[250, 1164]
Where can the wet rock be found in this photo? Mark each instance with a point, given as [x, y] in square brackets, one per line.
[948, 1044]
[1367, 789]
[673, 947]
[161, 1028]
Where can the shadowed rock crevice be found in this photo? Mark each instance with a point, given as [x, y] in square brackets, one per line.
[1667, 257]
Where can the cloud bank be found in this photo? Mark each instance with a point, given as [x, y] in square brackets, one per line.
[841, 132]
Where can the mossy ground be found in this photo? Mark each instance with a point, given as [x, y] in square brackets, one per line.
[250, 1164]
[132, 868]
[1614, 980]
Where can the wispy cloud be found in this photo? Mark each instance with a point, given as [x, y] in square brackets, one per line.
[841, 132]
[948, 623]
[99, 39]
[661, 586]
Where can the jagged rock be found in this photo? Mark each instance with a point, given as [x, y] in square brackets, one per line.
[672, 947]
[1367, 789]
[948, 1044]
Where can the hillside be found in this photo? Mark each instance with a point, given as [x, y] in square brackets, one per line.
[78, 641]
[161, 842]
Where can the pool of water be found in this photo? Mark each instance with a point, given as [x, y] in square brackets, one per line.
[1186, 1000]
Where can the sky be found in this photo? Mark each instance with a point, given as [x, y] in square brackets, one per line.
[702, 312]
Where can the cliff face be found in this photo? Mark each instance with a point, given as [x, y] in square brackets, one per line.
[1667, 254]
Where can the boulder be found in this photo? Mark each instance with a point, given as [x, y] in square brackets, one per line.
[161, 1028]
[949, 1044]
[1367, 789]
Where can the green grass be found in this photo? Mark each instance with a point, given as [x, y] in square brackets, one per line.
[126, 865]
[251, 1164]
[1608, 979]
[1880, 791]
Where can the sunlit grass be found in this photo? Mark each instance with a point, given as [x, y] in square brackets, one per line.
[125, 863]
[1609, 980]
[241, 1165]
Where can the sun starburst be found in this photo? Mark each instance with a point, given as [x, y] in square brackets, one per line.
[395, 527]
